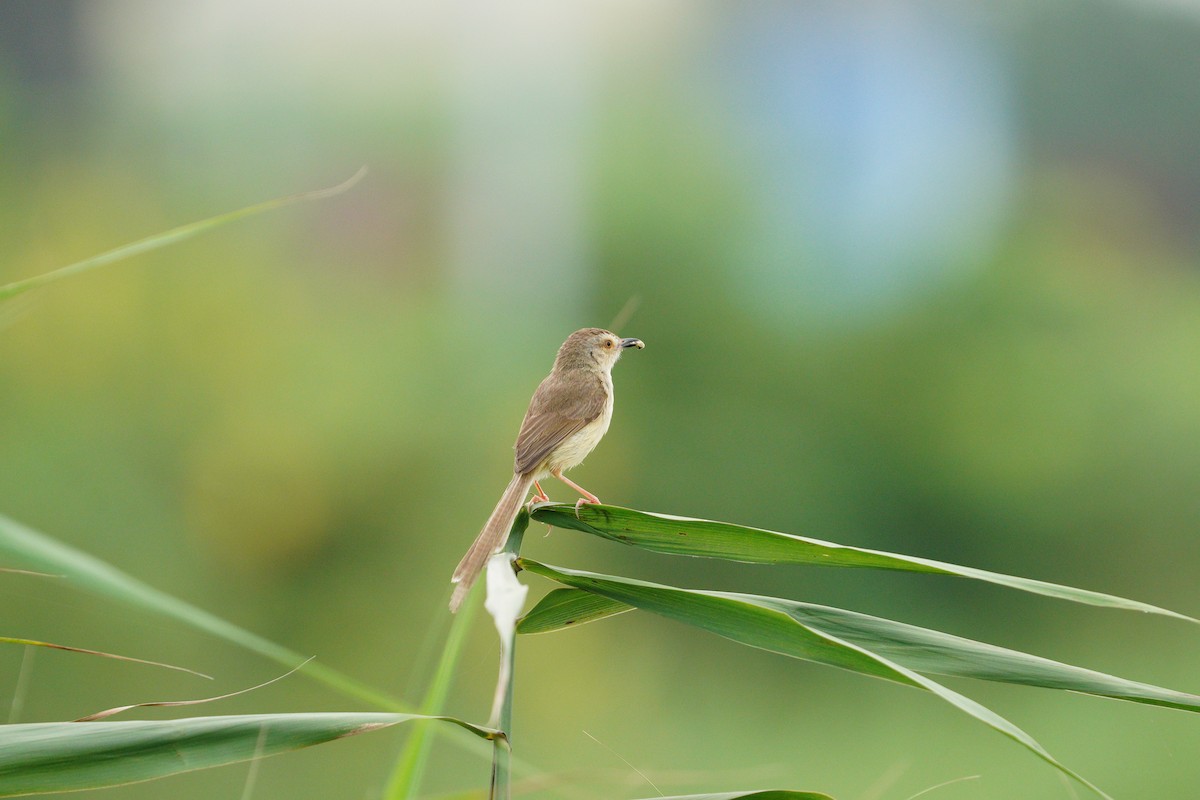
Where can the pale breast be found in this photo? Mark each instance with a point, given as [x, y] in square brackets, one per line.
[575, 448]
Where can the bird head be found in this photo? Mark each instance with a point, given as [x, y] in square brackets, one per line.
[593, 348]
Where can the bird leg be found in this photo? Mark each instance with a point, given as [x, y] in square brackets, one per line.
[588, 497]
[540, 496]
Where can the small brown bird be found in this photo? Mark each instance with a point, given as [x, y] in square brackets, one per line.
[567, 417]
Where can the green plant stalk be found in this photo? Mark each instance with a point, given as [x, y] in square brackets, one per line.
[502, 711]
[406, 778]
[170, 237]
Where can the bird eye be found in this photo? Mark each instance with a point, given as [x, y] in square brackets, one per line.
[608, 344]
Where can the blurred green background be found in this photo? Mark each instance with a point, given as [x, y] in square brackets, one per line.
[917, 276]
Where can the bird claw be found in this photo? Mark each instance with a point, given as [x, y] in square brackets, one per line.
[585, 501]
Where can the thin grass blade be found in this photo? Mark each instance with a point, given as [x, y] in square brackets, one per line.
[102, 654]
[686, 536]
[67, 756]
[112, 712]
[767, 627]
[170, 237]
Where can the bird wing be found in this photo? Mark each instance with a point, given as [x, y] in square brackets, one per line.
[558, 409]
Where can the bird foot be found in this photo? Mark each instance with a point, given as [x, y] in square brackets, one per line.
[585, 501]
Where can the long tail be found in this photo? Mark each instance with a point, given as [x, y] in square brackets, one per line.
[490, 539]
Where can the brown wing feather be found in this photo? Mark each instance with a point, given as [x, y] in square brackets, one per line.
[558, 409]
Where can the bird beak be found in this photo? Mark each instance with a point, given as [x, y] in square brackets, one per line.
[638, 343]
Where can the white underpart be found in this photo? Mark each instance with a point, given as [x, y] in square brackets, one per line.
[575, 448]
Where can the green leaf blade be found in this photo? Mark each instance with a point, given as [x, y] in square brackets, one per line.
[562, 608]
[768, 626]
[919, 649]
[929, 651]
[703, 538]
[81, 570]
[38, 758]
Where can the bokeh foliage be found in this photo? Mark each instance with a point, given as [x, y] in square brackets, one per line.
[300, 424]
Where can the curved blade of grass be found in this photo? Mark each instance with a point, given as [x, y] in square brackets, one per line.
[38, 551]
[170, 237]
[914, 647]
[67, 756]
[86, 652]
[769, 794]
[112, 712]
[562, 608]
[665, 533]
[744, 619]
[930, 651]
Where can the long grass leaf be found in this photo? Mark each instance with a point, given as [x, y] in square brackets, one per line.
[917, 648]
[665, 533]
[66, 756]
[930, 651]
[170, 237]
[38, 551]
[765, 626]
